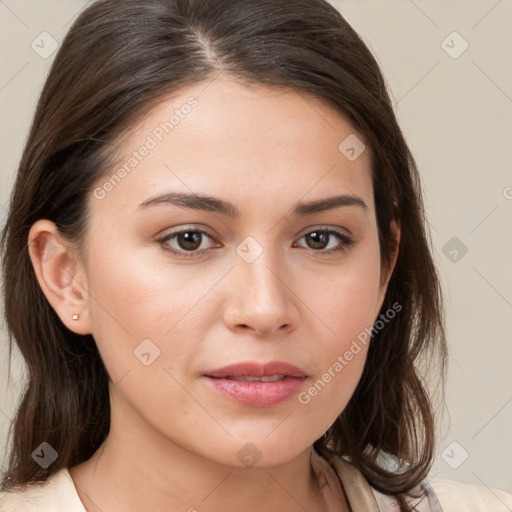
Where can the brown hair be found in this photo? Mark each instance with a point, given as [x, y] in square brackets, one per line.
[120, 58]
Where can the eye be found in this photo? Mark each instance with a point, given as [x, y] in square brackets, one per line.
[319, 239]
[189, 242]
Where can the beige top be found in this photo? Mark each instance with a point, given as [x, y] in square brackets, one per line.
[58, 493]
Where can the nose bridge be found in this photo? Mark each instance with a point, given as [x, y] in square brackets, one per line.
[263, 299]
[259, 267]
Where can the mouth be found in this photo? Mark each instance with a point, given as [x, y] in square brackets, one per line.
[275, 370]
[247, 378]
[257, 385]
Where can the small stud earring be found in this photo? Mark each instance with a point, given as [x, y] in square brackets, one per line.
[75, 317]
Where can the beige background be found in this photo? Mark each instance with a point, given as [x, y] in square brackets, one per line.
[457, 117]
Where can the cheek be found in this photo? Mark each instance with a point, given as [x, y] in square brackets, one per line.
[135, 297]
[345, 296]
[141, 327]
[128, 304]
[341, 357]
[330, 391]
[347, 310]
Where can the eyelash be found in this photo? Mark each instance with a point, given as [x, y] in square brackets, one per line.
[347, 242]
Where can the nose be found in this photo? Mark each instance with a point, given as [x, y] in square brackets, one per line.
[260, 297]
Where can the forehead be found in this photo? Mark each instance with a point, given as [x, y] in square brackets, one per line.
[258, 143]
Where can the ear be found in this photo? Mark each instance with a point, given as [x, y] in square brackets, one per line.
[387, 271]
[60, 274]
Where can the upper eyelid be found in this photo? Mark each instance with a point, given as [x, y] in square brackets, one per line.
[301, 233]
[176, 231]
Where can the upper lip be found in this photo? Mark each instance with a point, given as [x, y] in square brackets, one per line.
[255, 369]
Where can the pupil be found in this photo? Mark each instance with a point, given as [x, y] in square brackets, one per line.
[189, 239]
[318, 237]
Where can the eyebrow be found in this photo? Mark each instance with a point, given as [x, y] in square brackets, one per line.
[216, 205]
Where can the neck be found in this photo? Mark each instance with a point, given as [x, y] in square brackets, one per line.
[137, 468]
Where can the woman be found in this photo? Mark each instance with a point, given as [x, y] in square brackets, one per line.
[217, 270]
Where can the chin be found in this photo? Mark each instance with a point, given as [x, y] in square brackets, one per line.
[265, 453]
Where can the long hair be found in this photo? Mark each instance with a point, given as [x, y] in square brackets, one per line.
[120, 58]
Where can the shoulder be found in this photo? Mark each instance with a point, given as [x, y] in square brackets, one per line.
[463, 497]
[57, 494]
[442, 495]
[431, 495]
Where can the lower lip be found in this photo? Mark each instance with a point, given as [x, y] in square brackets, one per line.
[257, 393]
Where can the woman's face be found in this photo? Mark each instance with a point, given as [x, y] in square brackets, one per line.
[259, 280]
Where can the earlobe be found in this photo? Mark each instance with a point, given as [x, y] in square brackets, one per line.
[60, 275]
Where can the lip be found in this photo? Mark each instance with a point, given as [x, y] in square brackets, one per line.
[255, 369]
[256, 393]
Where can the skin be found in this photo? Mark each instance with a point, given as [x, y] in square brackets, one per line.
[174, 442]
